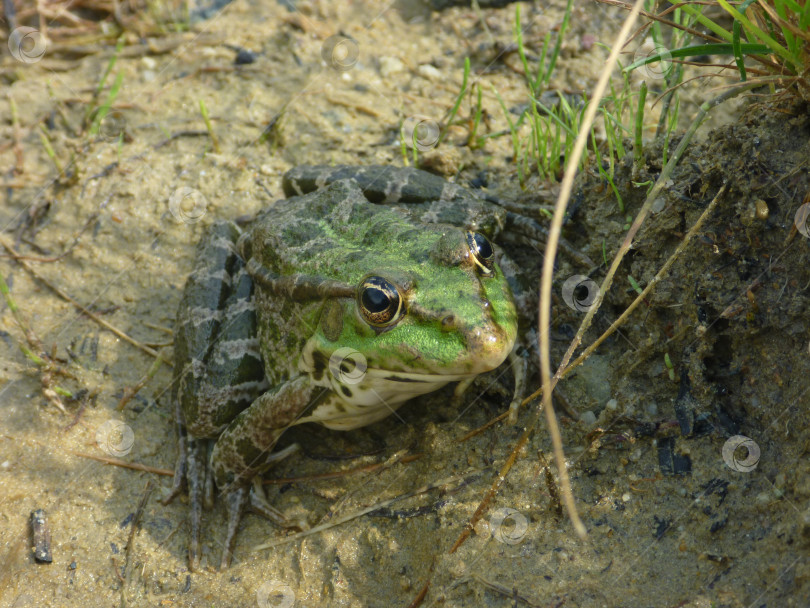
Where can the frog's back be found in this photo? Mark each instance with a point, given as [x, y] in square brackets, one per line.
[337, 233]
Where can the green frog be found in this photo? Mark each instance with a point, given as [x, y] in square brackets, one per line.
[363, 289]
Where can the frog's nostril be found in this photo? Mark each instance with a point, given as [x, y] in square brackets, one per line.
[448, 322]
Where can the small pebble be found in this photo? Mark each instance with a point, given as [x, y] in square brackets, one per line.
[587, 41]
[761, 208]
[390, 66]
[588, 418]
[482, 529]
[428, 72]
[244, 57]
[612, 405]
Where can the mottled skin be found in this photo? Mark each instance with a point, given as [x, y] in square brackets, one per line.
[331, 309]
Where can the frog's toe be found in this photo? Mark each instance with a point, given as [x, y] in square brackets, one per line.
[179, 483]
[519, 362]
[528, 228]
[236, 501]
[259, 504]
[195, 475]
[458, 392]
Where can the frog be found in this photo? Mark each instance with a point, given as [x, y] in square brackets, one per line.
[364, 288]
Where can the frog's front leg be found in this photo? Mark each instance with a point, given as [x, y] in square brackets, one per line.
[243, 450]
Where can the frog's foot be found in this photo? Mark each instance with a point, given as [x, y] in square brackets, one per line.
[461, 388]
[182, 457]
[519, 362]
[258, 499]
[196, 473]
[236, 502]
[525, 230]
[179, 471]
[260, 505]
[254, 497]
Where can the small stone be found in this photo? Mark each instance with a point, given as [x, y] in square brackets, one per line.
[612, 405]
[458, 569]
[390, 66]
[428, 72]
[482, 529]
[588, 418]
[444, 162]
[761, 209]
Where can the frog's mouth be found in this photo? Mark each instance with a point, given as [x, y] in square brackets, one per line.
[385, 375]
[362, 399]
[374, 385]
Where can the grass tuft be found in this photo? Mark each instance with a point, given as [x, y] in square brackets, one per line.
[768, 38]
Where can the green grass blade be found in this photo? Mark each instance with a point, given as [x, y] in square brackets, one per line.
[638, 153]
[762, 36]
[746, 48]
[456, 106]
[739, 58]
[512, 128]
[209, 127]
[552, 62]
[104, 109]
[119, 45]
[697, 14]
[474, 141]
[790, 39]
[792, 6]
[804, 20]
[553, 116]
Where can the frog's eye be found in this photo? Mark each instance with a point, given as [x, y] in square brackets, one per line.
[379, 300]
[482, 252]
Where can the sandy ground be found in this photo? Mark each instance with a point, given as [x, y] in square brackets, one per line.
[672, 519]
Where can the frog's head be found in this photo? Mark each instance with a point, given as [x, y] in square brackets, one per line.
[432, 307]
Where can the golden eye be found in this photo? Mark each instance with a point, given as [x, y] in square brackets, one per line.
[380, 301]
[482, 252]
